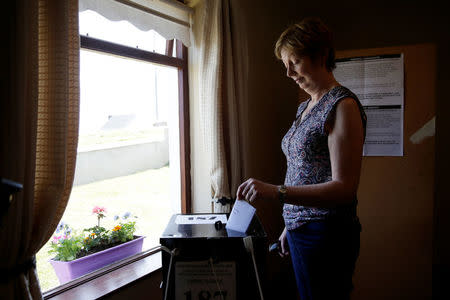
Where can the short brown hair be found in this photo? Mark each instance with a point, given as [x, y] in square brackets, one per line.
[312, 38]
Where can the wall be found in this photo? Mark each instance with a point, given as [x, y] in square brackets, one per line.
[396, 193]
[95, 164]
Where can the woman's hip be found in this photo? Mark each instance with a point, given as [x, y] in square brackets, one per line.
[322, 237]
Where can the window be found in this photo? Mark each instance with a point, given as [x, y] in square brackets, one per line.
[133, 146]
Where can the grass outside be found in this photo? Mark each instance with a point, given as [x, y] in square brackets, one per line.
[144, 194]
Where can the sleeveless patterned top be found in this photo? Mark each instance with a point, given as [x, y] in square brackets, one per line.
[305, 146]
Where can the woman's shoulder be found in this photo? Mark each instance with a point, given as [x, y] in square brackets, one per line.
[340, 92]
[337, 95]
[347, 101]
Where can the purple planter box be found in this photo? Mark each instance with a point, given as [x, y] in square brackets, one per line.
[69, 270]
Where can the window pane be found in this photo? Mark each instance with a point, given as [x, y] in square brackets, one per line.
[125, 120]
[128, 150]
[120, 32]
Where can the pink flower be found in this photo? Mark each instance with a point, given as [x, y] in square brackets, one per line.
[98, 210]
[56, 238]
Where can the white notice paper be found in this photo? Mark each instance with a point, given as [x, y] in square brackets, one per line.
[200, 219]
[378, 83]
[241, 216]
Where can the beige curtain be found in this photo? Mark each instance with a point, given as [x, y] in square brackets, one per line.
[218, 92]
[39, 145]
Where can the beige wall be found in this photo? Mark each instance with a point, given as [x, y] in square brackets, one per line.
[396, 193]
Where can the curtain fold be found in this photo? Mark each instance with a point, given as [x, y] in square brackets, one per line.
[42, 113]
[219, 105]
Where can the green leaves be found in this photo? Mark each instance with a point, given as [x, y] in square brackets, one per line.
[66, 248]
[71, 245]
[96, 237]
[123, 232]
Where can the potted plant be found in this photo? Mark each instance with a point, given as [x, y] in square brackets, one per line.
[79, 253]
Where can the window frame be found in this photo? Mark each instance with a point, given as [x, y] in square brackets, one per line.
[181, 63]
[140, 261]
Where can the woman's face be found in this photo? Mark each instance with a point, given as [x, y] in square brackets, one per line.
[301, 69]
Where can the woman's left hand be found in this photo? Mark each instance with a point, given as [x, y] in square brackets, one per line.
[254, 189]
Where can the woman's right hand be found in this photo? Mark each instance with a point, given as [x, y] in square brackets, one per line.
[284, 244]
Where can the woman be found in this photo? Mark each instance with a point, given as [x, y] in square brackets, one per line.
[323, 149]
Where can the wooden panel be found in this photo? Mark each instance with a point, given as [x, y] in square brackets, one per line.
[185, 145]
[396, 194]
[113, 279]
[126, 51]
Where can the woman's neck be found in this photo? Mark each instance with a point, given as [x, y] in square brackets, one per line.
[322, 88]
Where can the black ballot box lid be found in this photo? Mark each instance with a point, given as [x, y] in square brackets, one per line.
[204, 241]
[209, 231]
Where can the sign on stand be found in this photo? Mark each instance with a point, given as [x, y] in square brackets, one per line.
[205, 280]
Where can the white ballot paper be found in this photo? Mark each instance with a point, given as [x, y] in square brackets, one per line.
[241, 216]
[200, 219]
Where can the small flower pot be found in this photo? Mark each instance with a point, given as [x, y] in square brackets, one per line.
[69, 270]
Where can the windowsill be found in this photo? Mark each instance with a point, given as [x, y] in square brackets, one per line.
[108, 279]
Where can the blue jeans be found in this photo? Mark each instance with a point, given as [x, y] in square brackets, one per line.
[323, 255]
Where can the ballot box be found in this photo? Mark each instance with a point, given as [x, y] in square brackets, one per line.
[203, 260]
